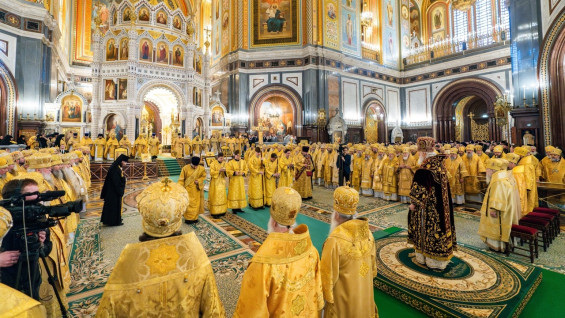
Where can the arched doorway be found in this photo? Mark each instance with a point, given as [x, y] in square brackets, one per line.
[8, 101]
[478, 92]
[374, 127]
[552, 82]
[198, 128]
[159, 114]
[471, 119]
[278, 109]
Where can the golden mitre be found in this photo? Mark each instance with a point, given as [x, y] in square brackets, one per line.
[470, 147]
[8, 157]
[66, 158]
[521, 151]
[512, 157]
[497, 164]
[17, 155]
[285, 205]
[5, 222]
[478, 148]
[56, 160]
[161, 206]
[498, 149]
[346, 200]
[39, 160]
[28, 152]
[425, 144]
[554, 151]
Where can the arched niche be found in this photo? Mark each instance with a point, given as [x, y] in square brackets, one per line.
[278, 108]
[374, 122]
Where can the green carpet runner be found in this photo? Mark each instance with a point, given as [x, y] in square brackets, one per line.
[169, 167]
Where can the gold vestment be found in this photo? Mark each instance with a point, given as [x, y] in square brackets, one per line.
[236, 188]
[187, 178]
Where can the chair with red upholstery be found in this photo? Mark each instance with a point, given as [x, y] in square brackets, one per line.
[541, 225]
[527, 234]
[554, 231]
[554, 212]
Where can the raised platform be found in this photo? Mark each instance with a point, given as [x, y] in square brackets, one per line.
[475, 284]
[134, 170]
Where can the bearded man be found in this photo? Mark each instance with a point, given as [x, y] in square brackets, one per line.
[256, 186]
[388, 171]
[236, 170]
[283, 278]
[348, 281]
[304, 167]
[431, 227]
[406, 169]
[286, 169]
[474, 167]
[217, 198]
[501, 206]
[498, 152]
[553, 170]
[377, 173]
[367, 174]
[192, 179]
[519, 174]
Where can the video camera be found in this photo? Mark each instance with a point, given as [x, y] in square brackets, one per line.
[35, 217]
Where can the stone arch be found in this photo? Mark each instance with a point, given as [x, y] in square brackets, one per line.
[382, 129]
[147, 87]
[8, 102]
[552, 81]
[277, 90]
[443, 110]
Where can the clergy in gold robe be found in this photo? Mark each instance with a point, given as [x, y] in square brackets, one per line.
[519, 174]
[286, 169]
[217, 197]
[73, 142]
[303, 171]
[111, 146]
[139, 146]
[329, 163]
[125, 143]
[357, 167]
[99, 148]
[187, 146]
[348, 262]
[322, 158]
[377, 173]
[501, 206]
[431, 226]
[483, 156]
[529, 164]
[456, 172]
[177, 147]
[206, 144]
[236, 170]
[256, 186]
[406, 169]
[283, 278]
[86, 141]
[474, 167]
[153, 144]
[272, 175]
[367, 174]
[553, 169]
[192, 179]
[196, 145]
[166, 274]
[388, 171]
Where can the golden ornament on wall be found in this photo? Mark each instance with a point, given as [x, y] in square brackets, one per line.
[462, 5]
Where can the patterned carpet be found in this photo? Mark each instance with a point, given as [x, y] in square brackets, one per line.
[231, 241]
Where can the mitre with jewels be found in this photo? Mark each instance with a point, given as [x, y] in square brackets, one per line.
[161, 206]
[346, 200]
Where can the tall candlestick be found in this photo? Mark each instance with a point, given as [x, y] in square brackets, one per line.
[524, 92]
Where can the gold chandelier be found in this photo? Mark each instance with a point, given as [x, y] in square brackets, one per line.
[462, 5]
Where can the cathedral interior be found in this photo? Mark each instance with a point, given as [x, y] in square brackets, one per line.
[324, 71]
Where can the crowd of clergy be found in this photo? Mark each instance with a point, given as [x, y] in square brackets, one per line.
[286, 277]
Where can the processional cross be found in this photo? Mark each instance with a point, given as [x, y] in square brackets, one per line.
[260, 129]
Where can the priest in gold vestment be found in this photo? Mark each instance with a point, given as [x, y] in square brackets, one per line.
[99, 147]
[348, 262]
[406, 169]
[519, 174]
[456, 172]
[256, 186]
[286, 169]
[474, 167]
[236, 170]
[501, 206]
[153, 144]
[283, 278]
[139, 146]
[111, 146]
[357, 167]
[377, 173]
[217, 197]
[531, 175]
[125, 143]
[192, 179]
[389, 172]
[167, 274]
[303, 171]
[553, 170]
[86, 141]
[322, 158]
[367, 174]
[272, 176]
[177, 146]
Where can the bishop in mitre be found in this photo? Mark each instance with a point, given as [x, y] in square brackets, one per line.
[348, 260]
[283, 278]
[431, 227]
[303, 171]
[501, 205]
[236, 170]
[217, 197]
[167, 274]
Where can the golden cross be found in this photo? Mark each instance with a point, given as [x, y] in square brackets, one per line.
[260, 129]
[166, 182]
[471, 115]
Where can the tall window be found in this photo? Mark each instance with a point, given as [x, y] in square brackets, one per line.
[504, 16]
[483, 16]
[460, 25]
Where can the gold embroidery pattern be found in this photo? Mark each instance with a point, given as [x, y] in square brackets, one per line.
[300, 247]
[162, 259]
[363, 269]
[298, 305]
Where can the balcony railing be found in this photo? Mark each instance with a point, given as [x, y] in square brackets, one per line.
[452, 46]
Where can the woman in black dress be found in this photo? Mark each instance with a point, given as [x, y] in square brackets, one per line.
[112, 193]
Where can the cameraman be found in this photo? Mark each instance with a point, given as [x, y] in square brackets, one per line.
[343, 164]
[13, 254]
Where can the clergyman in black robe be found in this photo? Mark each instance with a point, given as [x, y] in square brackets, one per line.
[113, 191]
[431, 227]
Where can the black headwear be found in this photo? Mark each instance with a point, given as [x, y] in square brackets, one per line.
[58, 140]
[6, 140]
[195, 161]
[121, 159]
[305, 148]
